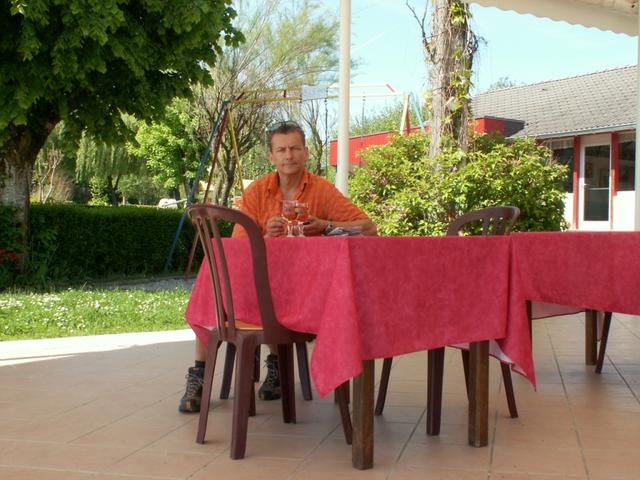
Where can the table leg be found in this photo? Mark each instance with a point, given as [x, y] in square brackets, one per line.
[362, 446]
[590, 337]
[435, 369]
[479, 393]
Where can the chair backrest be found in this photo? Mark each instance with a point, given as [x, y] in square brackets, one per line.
[205, 220]
[493, 220]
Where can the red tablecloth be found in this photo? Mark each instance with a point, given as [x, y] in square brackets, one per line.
[591, 270]
[375, 297]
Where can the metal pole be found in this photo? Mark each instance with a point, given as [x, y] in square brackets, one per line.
[342, 175]
[636, 185]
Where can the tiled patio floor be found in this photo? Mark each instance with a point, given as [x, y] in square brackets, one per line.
[106, 408]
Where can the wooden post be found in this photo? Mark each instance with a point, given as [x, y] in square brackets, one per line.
[479, 393]
[362, 447]
[590, 337]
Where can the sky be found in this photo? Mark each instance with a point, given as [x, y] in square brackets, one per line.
[387, 46]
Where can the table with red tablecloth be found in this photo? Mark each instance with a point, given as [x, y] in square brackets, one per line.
[578, 271]
[592, 270]
[376, 297]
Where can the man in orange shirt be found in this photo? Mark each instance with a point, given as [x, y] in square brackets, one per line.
[263, 199]
[328, 208]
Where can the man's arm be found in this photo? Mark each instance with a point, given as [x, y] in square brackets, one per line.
[318, 226]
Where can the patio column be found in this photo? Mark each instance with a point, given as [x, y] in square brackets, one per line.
[342, 175]
[636, 184]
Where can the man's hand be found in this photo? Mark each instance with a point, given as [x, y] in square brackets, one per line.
[315, 226]
[276, 227]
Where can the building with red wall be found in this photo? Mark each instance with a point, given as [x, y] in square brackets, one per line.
[588, 121]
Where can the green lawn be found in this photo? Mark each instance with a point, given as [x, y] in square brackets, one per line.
[90, 312]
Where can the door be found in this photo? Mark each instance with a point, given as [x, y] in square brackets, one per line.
[595, 176]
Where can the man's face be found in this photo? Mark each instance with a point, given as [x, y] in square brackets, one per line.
[288, 154]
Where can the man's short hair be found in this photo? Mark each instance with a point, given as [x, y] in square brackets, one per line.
[285, 126]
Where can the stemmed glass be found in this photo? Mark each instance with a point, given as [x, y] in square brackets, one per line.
[289, 213]
[302, 213]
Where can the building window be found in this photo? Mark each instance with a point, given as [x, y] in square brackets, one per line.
[562, 153]
[626, 164]
[564, 156]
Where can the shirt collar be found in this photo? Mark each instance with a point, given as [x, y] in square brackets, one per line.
[273, 185]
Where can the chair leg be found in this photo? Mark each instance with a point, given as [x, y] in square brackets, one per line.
[384, 384]
[256, 366]
[242, 398]
[347, 394]
[435, 371]
[508, 390]
[252, 403]
[287, 382]
[465, 366]
[227, 373]
[341, 395]
[303, 370]
[210, 366]
[603, 341]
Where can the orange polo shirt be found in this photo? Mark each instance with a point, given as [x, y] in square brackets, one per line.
[263, 200]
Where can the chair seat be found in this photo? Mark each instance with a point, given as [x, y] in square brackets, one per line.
[240, 325]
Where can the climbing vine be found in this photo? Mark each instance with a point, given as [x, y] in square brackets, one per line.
[449, 49]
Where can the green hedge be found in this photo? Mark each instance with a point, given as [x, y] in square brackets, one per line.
[73, 243]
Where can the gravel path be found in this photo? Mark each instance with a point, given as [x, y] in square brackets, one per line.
[170, 283]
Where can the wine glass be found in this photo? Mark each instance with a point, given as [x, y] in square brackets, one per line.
[289, 213]
[302, 213]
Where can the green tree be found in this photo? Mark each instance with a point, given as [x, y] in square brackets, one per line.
[172, 147]
[53, 171]
[103, 166]
[407, 193]
[86, 62]
[288, 45]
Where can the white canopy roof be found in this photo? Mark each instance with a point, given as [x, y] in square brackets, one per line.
[620, 16]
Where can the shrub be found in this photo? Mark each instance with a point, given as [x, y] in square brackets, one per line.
[72, 243]
[10, 245]
[519, 173]
[406, 193]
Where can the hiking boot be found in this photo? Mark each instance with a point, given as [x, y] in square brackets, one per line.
[190, 401]
[270, 389]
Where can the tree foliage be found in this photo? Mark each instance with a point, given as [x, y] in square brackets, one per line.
[103, 166]
[288, 45]
[86, 62]
[407, 193]
[171, 148]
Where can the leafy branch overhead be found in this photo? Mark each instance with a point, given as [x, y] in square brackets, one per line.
[86, 62]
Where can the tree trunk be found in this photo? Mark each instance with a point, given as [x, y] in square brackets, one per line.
[450, 52]
[17, 158]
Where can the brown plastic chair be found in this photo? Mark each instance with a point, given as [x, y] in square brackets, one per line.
[488, 221]
[245, 336]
